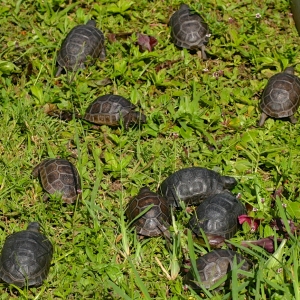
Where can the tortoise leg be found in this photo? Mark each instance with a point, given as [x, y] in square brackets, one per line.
[81, 66]
[46, 197]
[293, 119]
[59, 70]
[202, 53]
[127, 120]
[167, 235]
[102, 55]
[262, 119]
[36, 171]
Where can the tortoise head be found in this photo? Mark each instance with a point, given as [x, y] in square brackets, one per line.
[134, 117]
[141, 117]
[289, 70]
[91, 23]
[144, 189]
[229, 182]
[184, 7]
[34, 226]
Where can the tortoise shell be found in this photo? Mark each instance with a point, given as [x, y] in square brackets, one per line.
[213, 266]
[59, 175]
[83, 41]
[281, 96]
[156, 220]
[26, 257]
[111, 109]
[193, 185]
[188, 30]
[218, 215]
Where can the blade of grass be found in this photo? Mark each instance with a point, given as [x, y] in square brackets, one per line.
[139, 282]
[282, 215]
[295, 267]
[194, 265]
[234, 280]
[205, 239]
[118, 290]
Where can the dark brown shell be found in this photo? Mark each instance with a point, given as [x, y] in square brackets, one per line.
[110, 109]
[59, 175]
[156, 220]
[213, 266]
[83, 41]
[188, 29]
[281, 96]
[193, 185]
[218, 215]
[26, 257]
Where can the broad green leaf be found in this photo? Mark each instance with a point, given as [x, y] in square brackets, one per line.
[7, 67]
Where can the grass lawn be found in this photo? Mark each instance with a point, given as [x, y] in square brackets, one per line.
[199, 113]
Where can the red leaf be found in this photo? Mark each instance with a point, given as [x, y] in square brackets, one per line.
[146, 42]
[266, 243]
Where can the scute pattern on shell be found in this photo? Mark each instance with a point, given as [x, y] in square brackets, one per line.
[81, 42]
[188, 29]
[59, 175]
[26, 257]
[193, 185]
[213, 266]
[218, 215]
[110, 109]
[281, 97]
[156, 220]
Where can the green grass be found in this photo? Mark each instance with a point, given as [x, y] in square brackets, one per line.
[198, 114]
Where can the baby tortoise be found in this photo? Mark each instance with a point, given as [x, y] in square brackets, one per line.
[213, 266]
[26, 257]
[59, 175]
[111, 110]
[281, 96]
[156, 220]
[82, 42]
[188, 30]
[218, 216]
[193, 185]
